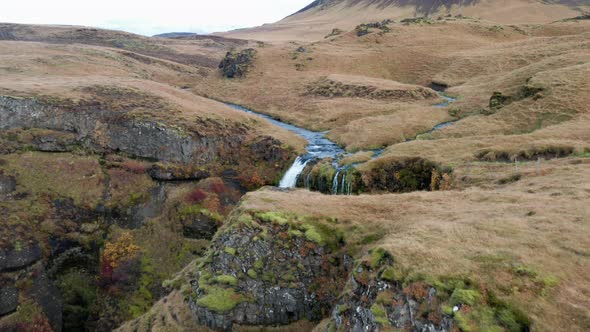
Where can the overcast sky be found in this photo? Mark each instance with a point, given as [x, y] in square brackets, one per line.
[149, 17]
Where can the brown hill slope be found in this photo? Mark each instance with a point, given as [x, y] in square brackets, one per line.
[322, 16]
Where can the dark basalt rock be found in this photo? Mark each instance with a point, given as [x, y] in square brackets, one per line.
[7, 185]
[201, 226]
[273, 277]
[268, 149]
[113, 131]
[172, 172]
[18, 258]
[236, 63]
[8, 299]
[55, 143]
[49, 299]
[373, 304]
[498, 100]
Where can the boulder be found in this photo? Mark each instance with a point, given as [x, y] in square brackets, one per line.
[18, 258]
[236, 63]
[7, 184]
[263, 270]
[8, 300]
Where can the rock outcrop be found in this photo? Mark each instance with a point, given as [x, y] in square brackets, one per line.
[236, 63]
[382, 296]
[380, 175]
[269, 269]
[113, 131]
[7, 185]
[8, 299]
[377, 300]
[19, 257]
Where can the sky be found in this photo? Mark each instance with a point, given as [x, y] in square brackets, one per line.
[149, 17]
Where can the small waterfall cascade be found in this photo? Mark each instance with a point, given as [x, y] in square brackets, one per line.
[340, 183]
[289, 180]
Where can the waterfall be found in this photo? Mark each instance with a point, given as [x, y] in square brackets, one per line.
[342, 185]
[335, 183]
[289, 180]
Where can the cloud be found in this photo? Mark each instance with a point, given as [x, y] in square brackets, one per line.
[149, 17]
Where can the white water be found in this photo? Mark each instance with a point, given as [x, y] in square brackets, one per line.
[289, 180]
[320, 147]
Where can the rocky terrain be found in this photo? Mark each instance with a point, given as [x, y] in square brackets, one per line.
[133, 199]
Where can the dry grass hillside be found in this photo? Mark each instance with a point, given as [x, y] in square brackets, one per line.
[336, 84]
[78, 64]
[524, 240]
[320, 17]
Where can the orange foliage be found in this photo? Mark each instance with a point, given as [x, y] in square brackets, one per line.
[120, 250]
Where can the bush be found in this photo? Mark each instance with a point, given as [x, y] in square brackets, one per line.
[196, 196]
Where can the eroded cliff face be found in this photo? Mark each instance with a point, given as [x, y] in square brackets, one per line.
[75, 176]
[268, 269]
[114, 131]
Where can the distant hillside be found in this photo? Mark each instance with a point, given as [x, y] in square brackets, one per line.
[320, 17]
[175, 34]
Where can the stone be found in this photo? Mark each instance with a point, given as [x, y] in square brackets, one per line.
[236, 63]
[8, 300]
[18, 258]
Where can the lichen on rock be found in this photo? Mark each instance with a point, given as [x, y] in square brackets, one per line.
[269, 269]
[236, 63]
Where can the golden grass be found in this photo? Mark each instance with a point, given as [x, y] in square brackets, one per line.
[538, 222]
[59, 176]
[318, 22]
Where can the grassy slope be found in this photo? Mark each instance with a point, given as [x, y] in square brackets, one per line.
[524, 240]
[62, 61]
[474, 58]
[317, 22]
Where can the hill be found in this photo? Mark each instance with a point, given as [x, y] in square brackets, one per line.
[323, 16]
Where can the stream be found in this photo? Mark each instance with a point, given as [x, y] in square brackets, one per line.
[319, 147]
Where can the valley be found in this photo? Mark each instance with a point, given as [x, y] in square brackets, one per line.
[357, 166]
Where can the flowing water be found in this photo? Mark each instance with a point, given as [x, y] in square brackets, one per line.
[319, 147]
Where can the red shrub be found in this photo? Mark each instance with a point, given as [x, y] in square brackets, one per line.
[135, 166]
[196, 196]
[213, 204]
[217, 187]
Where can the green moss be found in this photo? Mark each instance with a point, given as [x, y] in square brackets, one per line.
[378, 257]
[392, 274]
[295, 233]
[226, 279]
[341, 308]
[196, 211]
[245, 218]
[380, 314]
[322, 234]
[311, 234]
[273, 217]
[465, 296]
[230, 250]
[220, 300]
[288, 277]
[447, 310]
[258, 265]
[524, 271]
[252, 274]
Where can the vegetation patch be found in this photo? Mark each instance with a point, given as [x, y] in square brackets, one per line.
[528, 154]
[220, 299]
[366, 28]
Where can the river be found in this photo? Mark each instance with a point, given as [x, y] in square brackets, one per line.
[319, 147]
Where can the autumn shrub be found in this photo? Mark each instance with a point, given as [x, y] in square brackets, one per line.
[135, 166]
[196, 196]
[117, 259]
